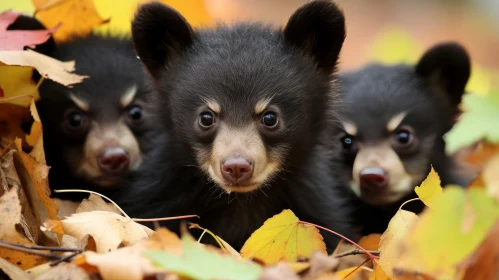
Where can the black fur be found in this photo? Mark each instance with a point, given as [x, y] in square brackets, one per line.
[430, 91]
[238, 66]
[113, 67]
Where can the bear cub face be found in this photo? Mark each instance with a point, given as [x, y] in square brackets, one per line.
[395, 119]
[249, 100]
[96, 131]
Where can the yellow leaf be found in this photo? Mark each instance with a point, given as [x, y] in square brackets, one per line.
[121, 13]
[430, 188]
[78, 17]
[448, 233]
[283, 237]
[370, 242]
[15, 81]
[378, 274]
[394, 45]
[391, 239]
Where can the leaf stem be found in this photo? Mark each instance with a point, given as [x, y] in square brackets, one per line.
[165, 219]
[341, 236]
[355, 252]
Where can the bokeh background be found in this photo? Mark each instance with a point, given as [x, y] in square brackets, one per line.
[389, 31]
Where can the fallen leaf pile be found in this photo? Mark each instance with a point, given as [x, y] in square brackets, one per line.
[42, 238]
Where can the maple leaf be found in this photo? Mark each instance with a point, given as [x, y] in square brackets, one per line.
[198, 262]
[390, 240]
[48, 67]
[18, 39]
[430, 188]
[109, 230]
[283, 237]
[448, 233]
[479, 121]
[78, 17]
[10, 215]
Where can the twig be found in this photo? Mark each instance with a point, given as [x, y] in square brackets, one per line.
[353, 271]
[29, 251]
[47, 248]
[355, 252]
[341, 236]
[164, 219]
[65, 258]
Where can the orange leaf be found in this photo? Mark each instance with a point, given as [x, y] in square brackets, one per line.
[78, 17]
[370, 242]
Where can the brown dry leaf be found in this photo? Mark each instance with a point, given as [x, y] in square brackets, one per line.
[484, 262]
[48, 67]
[10, 215]
[391, 239]
[10, 179]
[64, 271]
[320, 263]
[96, 203]
[129, 263]
[12, 271]
[87, 243]
[34, 178]
[108, 229]
[277, 272]
[66, 207]
[35, 137]
[71, 14]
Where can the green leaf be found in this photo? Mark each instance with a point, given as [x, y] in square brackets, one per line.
[198, 262]
[449, 232]
[479, 121]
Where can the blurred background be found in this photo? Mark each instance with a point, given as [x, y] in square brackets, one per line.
[390, 31]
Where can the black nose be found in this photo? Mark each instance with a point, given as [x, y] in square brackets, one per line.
[373, 179]
[113, 161]
[237, 170]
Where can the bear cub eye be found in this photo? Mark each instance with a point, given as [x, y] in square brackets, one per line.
[75, 123]
[135, 113]
[206, 119]
[269, 119]
[347, 142]
[404, 137]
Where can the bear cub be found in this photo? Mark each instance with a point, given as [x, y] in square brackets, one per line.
[394, 120]
[250, 107]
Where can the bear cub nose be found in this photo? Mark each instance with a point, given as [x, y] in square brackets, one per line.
[373, 179]
[113, 161]
[237, 170]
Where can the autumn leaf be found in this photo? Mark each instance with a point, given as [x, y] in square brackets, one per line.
[108, 229]
[490, 176]
[484, 262]
[96, 203]
[129, 263]
[12, 271]
[479, 121]
[48, 67]
[448, 233]
[391, 239]
[283, 237]
[78, 17]
[430, 188]
[15, 81]
[65, 270]
[198, 262]
[10, 215]
[18, 39]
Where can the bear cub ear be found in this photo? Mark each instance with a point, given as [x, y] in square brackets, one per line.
[318, 28]
[159, 32]
[448, 65]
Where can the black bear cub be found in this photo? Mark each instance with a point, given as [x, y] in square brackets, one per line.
[251, 107]
[98, 131]
[394, 121]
